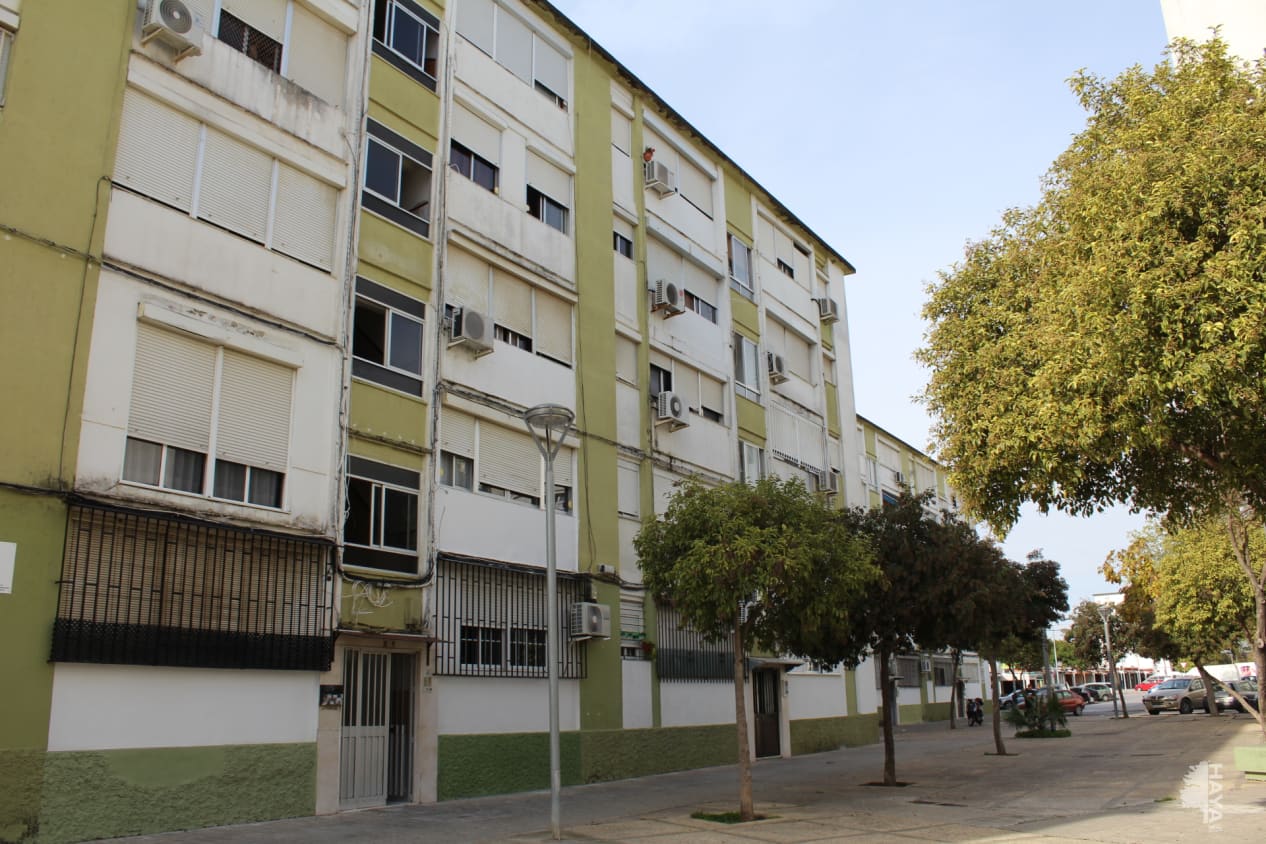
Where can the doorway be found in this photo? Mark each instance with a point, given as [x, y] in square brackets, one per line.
[376, 748]
[766, 697]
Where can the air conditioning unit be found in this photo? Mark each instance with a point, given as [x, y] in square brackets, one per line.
[898, 477]
[667, 297]
[471, 328]
[590, 621]
[828, 482]
[828, 310]
[777, 368]
[660, 178]
[173, 23]
[670, 409]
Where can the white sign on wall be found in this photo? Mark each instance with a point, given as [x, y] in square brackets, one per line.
[8, 554]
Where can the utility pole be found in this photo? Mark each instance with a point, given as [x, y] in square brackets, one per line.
[1105, 612]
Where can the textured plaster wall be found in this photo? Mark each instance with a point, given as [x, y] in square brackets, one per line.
[815, 735]
[111, 793]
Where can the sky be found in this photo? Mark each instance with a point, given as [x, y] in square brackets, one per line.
[898, 132]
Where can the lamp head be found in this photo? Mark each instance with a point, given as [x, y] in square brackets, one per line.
[1104, 611]
[546, 419]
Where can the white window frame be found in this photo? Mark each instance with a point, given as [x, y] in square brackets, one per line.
[744, 287]
[375, 486]
[746, 449]
[389, 315]
[748, 390]
[402, 157]
[6, 48]
[429, 32]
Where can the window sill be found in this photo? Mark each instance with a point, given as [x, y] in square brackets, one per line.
[395, 215]
[394, 381]
[197, 496]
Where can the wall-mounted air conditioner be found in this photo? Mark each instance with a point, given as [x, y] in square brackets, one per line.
[828, 482]
[173, 23]
[471, 328]
[828, 310]
[590, 621]
[898, 477]
[670, 410]
[660, 178]
[777, 368]
[666, 298]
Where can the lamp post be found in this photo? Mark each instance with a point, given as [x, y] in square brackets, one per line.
[548, 424]
[1105, 612]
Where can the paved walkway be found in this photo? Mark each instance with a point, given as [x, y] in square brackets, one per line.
[1113, 780]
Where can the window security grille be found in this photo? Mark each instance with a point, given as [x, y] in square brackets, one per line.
[149, 589]
[244, 38]
[490, 620]
[683, 654]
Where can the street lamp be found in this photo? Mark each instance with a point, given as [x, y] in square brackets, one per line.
[1105, 612]
[548, 424]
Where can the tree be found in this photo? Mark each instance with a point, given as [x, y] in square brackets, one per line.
[759, 565]
[1109, 344]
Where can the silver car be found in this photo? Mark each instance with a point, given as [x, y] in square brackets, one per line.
[1177, 694]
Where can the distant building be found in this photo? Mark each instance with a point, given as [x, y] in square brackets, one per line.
[1242, 23]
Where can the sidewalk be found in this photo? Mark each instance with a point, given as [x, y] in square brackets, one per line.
[1113, 780]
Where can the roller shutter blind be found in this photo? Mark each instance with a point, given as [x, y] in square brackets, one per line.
[157, 150]
[765, 231]
[303, 226]
[514, 45]
[551, 68]
[254, 417]
[172, 389]
[782, 431]
[686, 385]
[513, 300]
[236, 185]
[626, 359]
[318, 55]
[549, 179]
[477, 135]
[475, 23]
[712, 394]
[812, 448]
[628, 489]
[457, 432]
[631, 617]
[509, 460]
[662, 263]
[268, 16]
[699, 281]
[553, 326]
[467, 280]
[621, 132]
[797, 355]
[563, 466]
[696, 186]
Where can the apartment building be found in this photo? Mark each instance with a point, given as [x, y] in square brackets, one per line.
[274, 513]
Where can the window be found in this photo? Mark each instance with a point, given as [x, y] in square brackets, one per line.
[549, 211]
[746, 368]
[479, 170]
[456, 471]
[407, 36]
[244, 38]
[661, 380]
[6, 46]
[740, 267]
[380, 529]
[397, 179]
[387, 337]
[527, 648]
[623, 246]
[751, 462]
[481, 645]
[514, 46]
[702, 308]
[711, 399]
[180, 385]
[513, 338]
[786, 268]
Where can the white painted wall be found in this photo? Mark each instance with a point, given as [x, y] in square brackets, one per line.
[472, 705]
[636, 694]
[497, 529]
[868, 699]
[104, 707]
[629, 569]
[816, 695]
[509, 96]
[692, 704]
[501, 220]
[510, 373]
[1243, 23]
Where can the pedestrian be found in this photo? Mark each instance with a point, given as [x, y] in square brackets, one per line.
[976, 713]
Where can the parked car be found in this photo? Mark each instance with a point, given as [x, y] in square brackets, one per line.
[1150, 683]
[1010, 699]
[1177, 694]
[1102, 690]
[1246, 688]
[1070, 701]
[1090, 695]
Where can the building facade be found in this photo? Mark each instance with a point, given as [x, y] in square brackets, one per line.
[272, 525]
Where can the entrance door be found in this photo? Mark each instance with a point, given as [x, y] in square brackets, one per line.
[765, 693]
[376, 753]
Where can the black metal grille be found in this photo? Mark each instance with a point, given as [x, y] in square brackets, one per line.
[683, 654]
[490, 620]
[155, 589]
[244, 38]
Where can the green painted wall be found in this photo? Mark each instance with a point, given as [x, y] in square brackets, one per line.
[815, 735]
[751, 419]
[58, 130]
[396, 250]
[746, 317]
[398, 102]
[618, 754]
[833, 409]
[403, 609]
[850, 691]
[911, 713]
[738, 207]
[111, 793]
[936, 711]
[387, 417]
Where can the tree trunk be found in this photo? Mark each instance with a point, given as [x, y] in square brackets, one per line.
[996, 691]
[1238, 532]
[886, 705]
[1120, 687]
[746, 811]
[958, 657]
[1259, 654]
[1210, 699]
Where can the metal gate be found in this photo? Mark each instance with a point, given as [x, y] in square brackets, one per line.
[765, 691]
[376, 752]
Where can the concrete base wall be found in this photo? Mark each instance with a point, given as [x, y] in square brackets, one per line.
[816, 735]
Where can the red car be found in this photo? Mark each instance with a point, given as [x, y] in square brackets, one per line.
[1148, 684]
[1070, 701]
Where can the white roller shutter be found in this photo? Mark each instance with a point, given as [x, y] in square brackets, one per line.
[563, 466]
[796, 352]
[457, 432]
[318, 55]
[551, 68]
[172, 388]
[765, 241]
[626, 359]
[157, 150]
[475, 23]
[549, 179]
[782, 431]
[303, 226]
[477, 135]
[631, 615]
[254, 418]
[662, 263]
[268, 16]
[712, 394]
[696, 186]
[699, 281]
[686, 385]
[811, 445]
[553, 326]
[236, 185]
[514, 45]
[509, 459]
[467, 282]
[512, 298]
[621, 132]
[628, 489]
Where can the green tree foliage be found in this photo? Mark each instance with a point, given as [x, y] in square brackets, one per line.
[766, 566]
[1109, 344]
